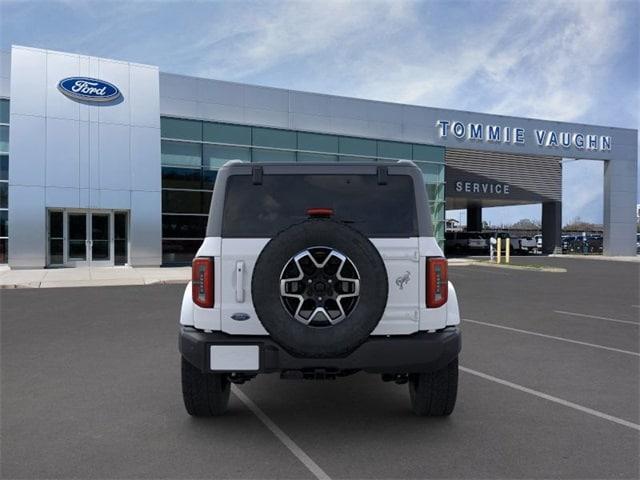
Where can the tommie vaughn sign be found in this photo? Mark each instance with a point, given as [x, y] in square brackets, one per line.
[88, 89]
[478, 132]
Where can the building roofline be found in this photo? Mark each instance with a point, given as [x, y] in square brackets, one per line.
[400, 104]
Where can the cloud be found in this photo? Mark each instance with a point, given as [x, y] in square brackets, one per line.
[273, 34]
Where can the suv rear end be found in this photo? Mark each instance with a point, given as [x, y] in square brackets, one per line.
[318, 271]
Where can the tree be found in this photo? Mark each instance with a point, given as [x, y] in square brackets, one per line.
[579, 225]
[526, 224]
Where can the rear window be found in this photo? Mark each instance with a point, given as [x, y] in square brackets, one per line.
[281, 200]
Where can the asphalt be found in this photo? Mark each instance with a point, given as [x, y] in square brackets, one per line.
[90, 389]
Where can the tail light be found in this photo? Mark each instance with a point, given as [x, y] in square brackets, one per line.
[202, 282]
[437, 282]
[320, 212]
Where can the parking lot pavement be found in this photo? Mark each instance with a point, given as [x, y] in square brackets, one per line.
[90, 389]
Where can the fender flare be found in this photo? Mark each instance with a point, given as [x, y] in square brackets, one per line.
[186, 310]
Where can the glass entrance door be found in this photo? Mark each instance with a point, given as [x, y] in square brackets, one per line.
[100, 243]
[77, 240]
[87, 238]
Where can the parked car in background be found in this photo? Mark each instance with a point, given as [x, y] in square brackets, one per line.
[528, 245]
[466, 242]
[582, 244]
[538, 247]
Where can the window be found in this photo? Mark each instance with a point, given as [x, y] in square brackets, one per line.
[4, 167]
[182, 129]
[4, 233]
[4, 221]
[184, 226]
[215, 156]
[224, 133]
[316, 157]
[317, 143]
[193, 151]
[120, 244]
[4, 194]
[179, 251]
[347, 158]
[4, 139]
[4, 111]
[209, 179]
[432, 173]
[263, 155]
[428, 153]
[271, 137]
[358, 146]
[185, 201]
[435, 191]
[180, 153]
[281, 200]
[176, 177]
[394, 150]
[4, 179]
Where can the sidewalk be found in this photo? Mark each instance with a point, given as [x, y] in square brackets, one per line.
[635, 259]
[92, 277]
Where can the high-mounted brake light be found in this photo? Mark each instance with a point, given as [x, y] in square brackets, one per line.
[320, 212]
[437, 282]
[202, 282]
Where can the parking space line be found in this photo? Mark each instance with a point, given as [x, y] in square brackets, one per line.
[280, 435]
[551, 398]
[562, 339]
[596, 317]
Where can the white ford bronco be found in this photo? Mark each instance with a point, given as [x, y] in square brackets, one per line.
[319, 271]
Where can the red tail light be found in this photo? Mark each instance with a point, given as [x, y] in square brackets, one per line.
[202, 282]
[437, 282]
[320, 212]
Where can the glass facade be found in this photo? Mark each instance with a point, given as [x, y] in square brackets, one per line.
[193, 151]
[4, 180]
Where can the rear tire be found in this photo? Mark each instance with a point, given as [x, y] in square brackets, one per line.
[433, 394]
[204, 394]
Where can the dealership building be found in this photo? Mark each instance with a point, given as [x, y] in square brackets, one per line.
[107, 162]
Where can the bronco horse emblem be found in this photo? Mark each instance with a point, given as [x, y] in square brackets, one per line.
[402, 280]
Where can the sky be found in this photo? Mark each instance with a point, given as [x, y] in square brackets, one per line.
[558, 60]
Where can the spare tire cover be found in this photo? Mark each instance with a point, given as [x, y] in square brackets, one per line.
[319, 288]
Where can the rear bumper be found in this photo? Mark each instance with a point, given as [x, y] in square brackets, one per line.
[420, 352]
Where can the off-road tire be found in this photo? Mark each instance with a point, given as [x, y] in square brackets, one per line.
[338, 339]
[433, 394]
[204, 394]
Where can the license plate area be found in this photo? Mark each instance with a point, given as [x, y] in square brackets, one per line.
[234, 358]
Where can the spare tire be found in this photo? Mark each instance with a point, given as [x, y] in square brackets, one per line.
[319, 288]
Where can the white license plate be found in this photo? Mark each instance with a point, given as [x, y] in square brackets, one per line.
[234, 357]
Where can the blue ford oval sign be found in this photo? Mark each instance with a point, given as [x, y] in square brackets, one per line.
[89, 89]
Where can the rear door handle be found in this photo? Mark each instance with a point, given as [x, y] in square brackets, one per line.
[240, 281]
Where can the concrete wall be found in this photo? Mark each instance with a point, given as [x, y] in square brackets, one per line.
[5, 73]
[70, 154]
[620, 199]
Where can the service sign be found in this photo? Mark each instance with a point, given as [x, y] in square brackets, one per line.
[88, 89]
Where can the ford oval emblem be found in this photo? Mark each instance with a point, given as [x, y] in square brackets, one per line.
[240, 317]
[89, 89]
